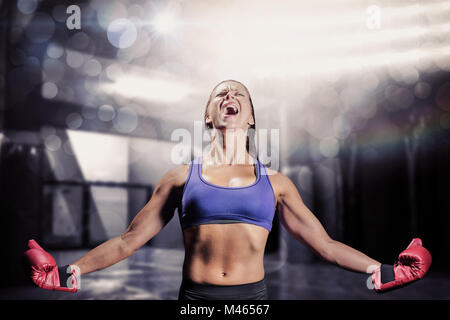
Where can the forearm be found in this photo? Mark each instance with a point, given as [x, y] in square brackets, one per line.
[349, 258]
[103, 256]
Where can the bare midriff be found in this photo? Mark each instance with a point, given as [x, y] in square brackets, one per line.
[224, 254]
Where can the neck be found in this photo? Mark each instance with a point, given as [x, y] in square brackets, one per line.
[228, 147]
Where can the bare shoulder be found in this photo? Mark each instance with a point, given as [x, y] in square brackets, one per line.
[176, 177]
[276, 176]
[279, 181]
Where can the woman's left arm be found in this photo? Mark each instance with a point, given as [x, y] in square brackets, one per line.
[301, 223]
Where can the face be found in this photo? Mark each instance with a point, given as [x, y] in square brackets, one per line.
[229, 107]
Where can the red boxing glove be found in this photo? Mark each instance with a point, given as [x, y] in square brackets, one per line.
[413, 263]
[46, 274]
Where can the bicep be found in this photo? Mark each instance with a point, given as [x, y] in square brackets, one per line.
[299, 221]
[158, 211]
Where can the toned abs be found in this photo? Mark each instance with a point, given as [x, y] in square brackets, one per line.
[224, 254]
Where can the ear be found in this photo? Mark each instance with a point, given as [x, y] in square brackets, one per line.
[251, 122]
[208, 121]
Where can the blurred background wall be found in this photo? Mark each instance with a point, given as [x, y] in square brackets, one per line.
[357, 91]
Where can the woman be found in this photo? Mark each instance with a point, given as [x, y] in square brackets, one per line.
[226, 200]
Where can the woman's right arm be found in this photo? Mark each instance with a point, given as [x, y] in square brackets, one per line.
[147, 223]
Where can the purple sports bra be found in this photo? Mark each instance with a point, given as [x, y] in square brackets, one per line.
[206, 203]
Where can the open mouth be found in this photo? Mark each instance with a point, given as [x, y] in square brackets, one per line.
[229, 109]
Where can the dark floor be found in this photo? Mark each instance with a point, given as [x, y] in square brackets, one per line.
[155, 274]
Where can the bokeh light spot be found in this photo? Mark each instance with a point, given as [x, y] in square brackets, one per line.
[422, 90]
[27, 6]
[54, 50]
[329, 147]
[126, 120]
[122, 33]
[106, 113]
[49, 90]
[52, 142]
[74, 121]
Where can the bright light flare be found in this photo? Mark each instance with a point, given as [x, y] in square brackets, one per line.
[148, 88]
[301, 40]
[165, 22]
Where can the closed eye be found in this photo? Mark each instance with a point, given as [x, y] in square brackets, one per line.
[221, 94]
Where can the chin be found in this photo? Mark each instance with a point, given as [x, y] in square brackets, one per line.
[231, 126]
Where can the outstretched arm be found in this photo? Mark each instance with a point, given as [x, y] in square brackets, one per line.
[301, 223]
[147, 223]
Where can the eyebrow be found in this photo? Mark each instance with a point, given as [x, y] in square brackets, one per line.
[226, 89]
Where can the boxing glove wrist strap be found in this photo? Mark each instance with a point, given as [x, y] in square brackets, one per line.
[387, 273]
[65, 273]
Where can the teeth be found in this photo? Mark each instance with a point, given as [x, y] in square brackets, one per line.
[231, 106]
[234, 108]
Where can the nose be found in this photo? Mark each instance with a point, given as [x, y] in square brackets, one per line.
[229, 96]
